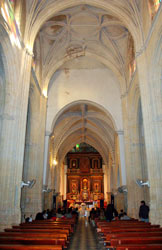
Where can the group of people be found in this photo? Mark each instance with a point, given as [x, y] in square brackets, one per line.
[108, 214]
[53, 214]
[60, 213]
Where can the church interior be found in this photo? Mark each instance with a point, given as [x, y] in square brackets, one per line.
[80, 106]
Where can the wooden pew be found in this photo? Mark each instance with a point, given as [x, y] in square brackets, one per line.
[28, 230]
[32, 241]
[51, 223]
[129, 225]
[38, 233]
[34, 234]
[112, 230]
[135, 240]
[125, 235]
[139, 247]
[110, 236]
[114, 226]
[100, 223]
[30, 225]
[58, 220]
[126, 226]
[36, 226]
[30, 247]
[132, 234]
[125, 223]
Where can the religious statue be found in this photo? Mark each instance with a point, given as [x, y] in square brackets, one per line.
[85, 184]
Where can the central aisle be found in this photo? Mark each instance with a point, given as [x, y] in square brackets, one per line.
[85, 237]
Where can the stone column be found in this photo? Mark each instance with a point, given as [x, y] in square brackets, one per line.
[104, 167]
[152, 113]
[46, 160]
[131, 162]
[122, 156]
[13, 139]
[45, 171]
[32, 199]
[65, 181]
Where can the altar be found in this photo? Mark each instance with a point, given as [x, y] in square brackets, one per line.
[84, 178]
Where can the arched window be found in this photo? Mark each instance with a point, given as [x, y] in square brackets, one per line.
[7, 11]
[154, 6]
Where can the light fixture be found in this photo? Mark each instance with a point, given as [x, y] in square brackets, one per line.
[29, 50]
[122, 189]
[46, 190]
[49, 190]
[28, 184]
[141, 183]
[44, 92]
[54, 162]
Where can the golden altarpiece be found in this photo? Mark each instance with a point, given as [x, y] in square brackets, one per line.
[84, 177]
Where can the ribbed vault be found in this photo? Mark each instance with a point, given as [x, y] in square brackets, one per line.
[84, 30]
[83, 122]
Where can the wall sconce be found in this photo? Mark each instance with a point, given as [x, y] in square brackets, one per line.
[29, 50]
[122, 189]
[46, 190]
[55, 162]
[28, 184]
[44, 93]
[141, 183]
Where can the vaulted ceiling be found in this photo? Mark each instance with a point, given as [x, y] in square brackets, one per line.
[87, 34]
[84, 122]
[84, 31]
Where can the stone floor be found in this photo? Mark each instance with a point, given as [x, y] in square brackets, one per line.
[85, 237]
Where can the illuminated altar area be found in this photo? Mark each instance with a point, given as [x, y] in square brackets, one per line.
[84, 177]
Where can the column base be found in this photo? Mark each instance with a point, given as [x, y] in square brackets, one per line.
[9, 217]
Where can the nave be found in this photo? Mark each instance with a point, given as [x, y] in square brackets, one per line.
[70, 234]
[80, 109]
[85, 237]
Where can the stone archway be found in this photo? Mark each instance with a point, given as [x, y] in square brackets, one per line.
[81, 121]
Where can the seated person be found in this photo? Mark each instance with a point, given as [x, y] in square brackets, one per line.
[59, 214]
[121, 213]
[102, 215]
[68, 213]
[39, 216]
[125, 217]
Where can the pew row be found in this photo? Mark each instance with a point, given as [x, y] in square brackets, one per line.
[42, 233]
[30, 247]
[123, 234]
[136, 247]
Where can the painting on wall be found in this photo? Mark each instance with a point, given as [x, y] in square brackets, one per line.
[74, 186]
[97, 186]
[96, 163]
